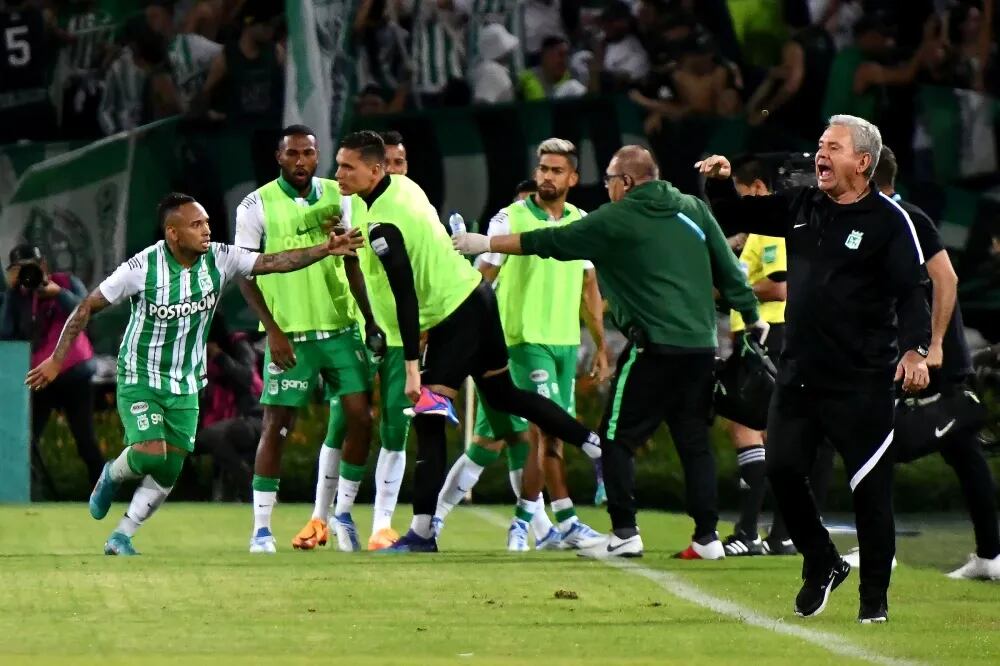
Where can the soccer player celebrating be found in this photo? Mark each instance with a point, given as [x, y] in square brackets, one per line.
[173, 287]
[393, 427]
[314, 307]
[409, 255]
[539, 303]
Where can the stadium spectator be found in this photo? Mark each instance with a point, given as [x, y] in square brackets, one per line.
[25, 109]
[619, 58]
[858, 79]
[490, 77]
[37, 305]
[792, 93]
[551, 77]
[160, 97]
[121, 101]
[548, 18]
[380, 45]
[190, 54]
[231, 416]
[438, 47]
[245, 84]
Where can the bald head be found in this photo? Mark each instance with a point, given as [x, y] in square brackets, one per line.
[636, 162]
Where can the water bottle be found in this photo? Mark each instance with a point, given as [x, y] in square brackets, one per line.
[457, 224]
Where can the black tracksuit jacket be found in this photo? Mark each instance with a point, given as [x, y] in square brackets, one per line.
[856, 282]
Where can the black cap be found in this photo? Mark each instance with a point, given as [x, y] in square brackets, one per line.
[22, 253]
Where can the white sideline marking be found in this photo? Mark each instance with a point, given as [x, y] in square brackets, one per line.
[673, 584]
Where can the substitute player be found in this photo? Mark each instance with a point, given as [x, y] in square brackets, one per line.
[394, 425]
[540, 306]
[316, 309]
[173, 287]
[434, 289]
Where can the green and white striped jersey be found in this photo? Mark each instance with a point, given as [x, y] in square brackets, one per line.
[172, 308]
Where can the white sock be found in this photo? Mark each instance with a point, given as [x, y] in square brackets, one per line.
[120, 469]
[516, 477]
[562, 505]
[263, 505]
[462, 476]
[145, 501]
[540, 523]
[327, 472]
[388, 479]
[421, 525]
[347, 492]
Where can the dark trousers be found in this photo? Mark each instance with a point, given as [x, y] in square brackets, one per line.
[232, 444]
[859, 425]
[73, 394]
[647, 390]
[965, 455]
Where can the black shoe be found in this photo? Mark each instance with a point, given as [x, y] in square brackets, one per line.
[742, 545]
[779, 547]
[815, 591]
[873, 612]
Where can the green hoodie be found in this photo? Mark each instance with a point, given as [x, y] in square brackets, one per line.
[658, 254]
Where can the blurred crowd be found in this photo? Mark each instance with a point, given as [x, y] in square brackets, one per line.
[82, 68]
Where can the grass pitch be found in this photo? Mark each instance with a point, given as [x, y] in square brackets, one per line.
[196, 597]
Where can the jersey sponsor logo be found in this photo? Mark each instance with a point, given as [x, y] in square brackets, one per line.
[294, 384]
[770, 254]
[380, 246]
[185, 309]
[854, 240]
[205, 282]
[539, 375]
[273, 369]
[139, 408]
[142, 422]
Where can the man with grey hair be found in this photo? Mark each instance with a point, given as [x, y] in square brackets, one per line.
[855, 269]
[659, 254]
[540, 306]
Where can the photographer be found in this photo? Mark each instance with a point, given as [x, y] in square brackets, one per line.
[37, 305]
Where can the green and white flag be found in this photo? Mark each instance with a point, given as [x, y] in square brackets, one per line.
[315, 86]
[74, 208]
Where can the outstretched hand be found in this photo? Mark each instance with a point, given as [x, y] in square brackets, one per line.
[345, 244]
[715, 166]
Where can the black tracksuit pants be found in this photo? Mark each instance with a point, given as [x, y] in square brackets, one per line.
[647, 390]
[859, 425]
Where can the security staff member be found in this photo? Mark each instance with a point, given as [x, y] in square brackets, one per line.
[657, 252]
[951, 367]
[854, 267]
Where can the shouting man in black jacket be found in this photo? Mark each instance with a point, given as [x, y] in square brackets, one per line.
[855, 269]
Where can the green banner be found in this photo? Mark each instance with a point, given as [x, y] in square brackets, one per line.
[15, 430]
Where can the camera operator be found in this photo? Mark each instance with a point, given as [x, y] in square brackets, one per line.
[854, 270]
[37, 305]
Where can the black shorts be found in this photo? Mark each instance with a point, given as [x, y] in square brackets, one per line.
[468, 342]
[774, 343]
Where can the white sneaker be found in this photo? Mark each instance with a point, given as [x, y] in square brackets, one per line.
[713, 550]
[263, 542]
[347, 534]
[551, 541]
[580, 535]
[978, 568]
[517, 536]
[612, 546]
[853, 558]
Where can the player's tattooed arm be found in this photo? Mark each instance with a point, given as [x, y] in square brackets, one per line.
[344, 244]
[45, 372]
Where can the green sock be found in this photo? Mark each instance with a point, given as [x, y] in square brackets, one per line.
[517, 455]
[351, 472]
[564, 512]
[481, 455]
[143, 463]
[525, 509]
[265, 483]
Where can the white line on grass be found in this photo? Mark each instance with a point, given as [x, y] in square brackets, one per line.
[673, 584]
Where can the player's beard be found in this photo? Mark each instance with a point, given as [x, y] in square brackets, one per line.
[553, 194]
[291, 178]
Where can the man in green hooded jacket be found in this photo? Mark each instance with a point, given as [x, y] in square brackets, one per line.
[659, 254]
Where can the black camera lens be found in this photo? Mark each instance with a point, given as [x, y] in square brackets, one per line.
[30, 276]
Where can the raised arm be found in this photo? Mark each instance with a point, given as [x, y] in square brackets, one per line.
[344, 245]
[45, 372]
[766, 215]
